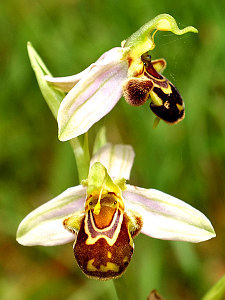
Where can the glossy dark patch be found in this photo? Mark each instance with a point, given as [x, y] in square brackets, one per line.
[172, 109]
[166, 103]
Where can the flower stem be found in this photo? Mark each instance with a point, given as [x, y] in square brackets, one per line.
[82, 156]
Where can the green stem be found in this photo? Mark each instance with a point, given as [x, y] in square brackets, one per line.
[82, 156]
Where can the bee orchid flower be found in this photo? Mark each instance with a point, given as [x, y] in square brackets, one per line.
[104, 214]
[127, 70]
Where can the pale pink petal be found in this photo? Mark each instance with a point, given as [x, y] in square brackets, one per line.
[91, 99]
[68, 82]
[43, 226]
[117, 159]
[166, 217]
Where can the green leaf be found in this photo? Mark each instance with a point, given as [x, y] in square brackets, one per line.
[51, 95]
[53, 98]
[217, 292]
[81, 153]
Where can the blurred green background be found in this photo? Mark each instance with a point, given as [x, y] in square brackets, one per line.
[185, 160]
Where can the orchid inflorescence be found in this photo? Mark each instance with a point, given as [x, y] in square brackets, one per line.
[103, 214]
[126, 70]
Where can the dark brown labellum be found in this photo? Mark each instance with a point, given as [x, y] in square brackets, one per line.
[172, 108]
[166, 102]
[104, 238]
[103, 254]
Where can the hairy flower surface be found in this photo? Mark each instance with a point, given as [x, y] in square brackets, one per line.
[126, 70]
[104, 214]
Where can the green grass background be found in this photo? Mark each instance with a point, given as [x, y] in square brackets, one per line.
[186, 160]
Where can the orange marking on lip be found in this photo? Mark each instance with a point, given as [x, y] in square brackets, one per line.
[104, 218]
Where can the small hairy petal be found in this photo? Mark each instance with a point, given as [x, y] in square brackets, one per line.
[91, 99]
[44, 225]
[136, 90]
[117, 159]
[166, 217]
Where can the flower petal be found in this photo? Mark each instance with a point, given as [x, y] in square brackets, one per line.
[117, 159]
[68, 82]
[166, 217]
[43, 226]
[91, 98]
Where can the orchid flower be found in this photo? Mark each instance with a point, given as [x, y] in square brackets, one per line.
[126, 70]
[104, 214]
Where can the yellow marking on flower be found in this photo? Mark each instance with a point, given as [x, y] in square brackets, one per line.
[180, 107]
[74, 222]
[90, 266]
[110, 241]
[167, 105]
[155, 99]
[98, 205]
[109, 267]
[120, 202]
[153, 41]
[97, 208]
[166, 90]
[125, 259]
[109, 254]
[135, 67]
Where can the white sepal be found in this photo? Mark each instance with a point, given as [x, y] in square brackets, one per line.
[117, 159]
[92, 97]
[44, 226]
[68, 82]
[166, 217]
